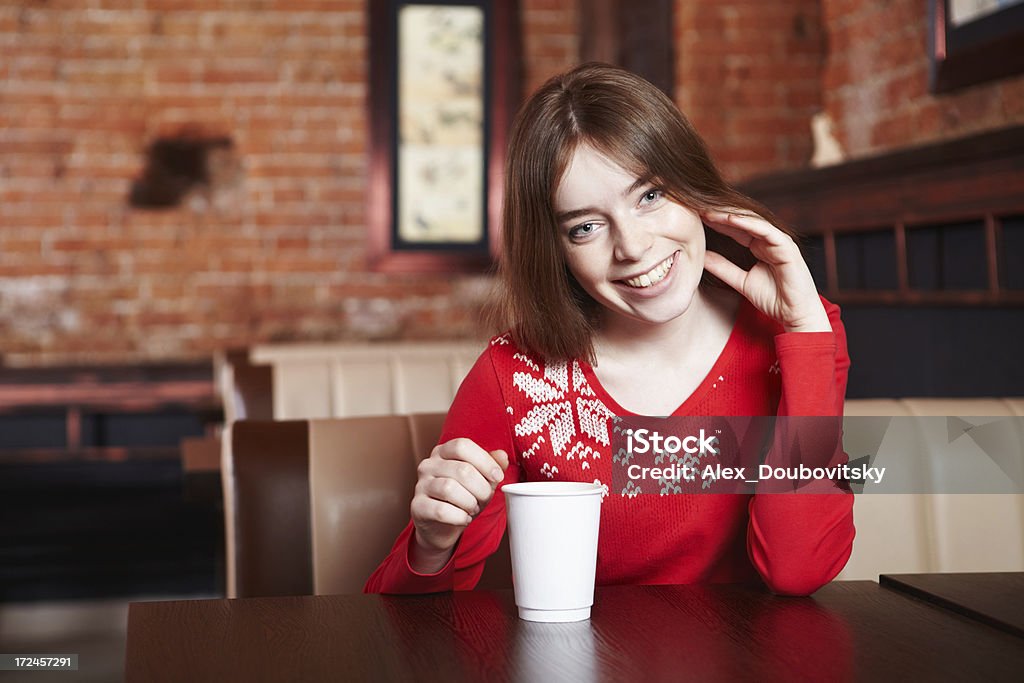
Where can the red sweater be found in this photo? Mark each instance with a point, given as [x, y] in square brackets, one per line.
[553, 421]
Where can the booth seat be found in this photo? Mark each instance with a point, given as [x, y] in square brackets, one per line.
[312, 506]
[918, 533]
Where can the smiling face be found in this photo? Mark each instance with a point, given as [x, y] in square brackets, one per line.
[631, 248]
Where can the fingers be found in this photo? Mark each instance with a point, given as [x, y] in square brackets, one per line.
[745, 227]
[736, 234]
[500, 457]
[456, 482]
[466, 451]
[426, 509]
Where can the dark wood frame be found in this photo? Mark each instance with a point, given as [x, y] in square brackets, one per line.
[976, 179]
[75, 391]
[502, 92]
[979, 51]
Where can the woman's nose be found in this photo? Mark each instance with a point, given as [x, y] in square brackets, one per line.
[632, 241]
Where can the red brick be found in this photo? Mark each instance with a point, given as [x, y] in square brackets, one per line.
[904, 89]
[892, 132]
[239, 75]
[49, 216]
[176, 74]
[19, 247]
[27, 270]
[59, 147]
[899, 51]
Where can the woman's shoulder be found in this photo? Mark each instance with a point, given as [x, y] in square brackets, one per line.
[504, 348]
[521, 372]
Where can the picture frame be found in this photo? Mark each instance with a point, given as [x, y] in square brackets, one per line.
[443, 86]
[973, 42]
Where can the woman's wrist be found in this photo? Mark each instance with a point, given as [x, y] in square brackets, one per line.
[425, 560]
[809, 327]
[816, 321]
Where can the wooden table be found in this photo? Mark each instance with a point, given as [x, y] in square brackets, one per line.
[847, 631]
[995, 598]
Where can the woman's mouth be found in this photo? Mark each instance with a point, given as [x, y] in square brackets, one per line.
[653, 276]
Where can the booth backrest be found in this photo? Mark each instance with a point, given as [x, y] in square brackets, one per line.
[314, 505]
[915, 533]
[362, 472]
[265, 478]
[348, 380]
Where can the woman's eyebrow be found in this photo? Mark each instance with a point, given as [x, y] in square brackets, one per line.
[576, 213]
[640, 182]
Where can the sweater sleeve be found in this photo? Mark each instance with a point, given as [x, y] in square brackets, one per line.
[798, 542]
[477, 413]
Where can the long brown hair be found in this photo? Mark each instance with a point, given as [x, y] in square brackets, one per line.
[631, 122]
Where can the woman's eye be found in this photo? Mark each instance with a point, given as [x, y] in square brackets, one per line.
[582, 230]
[651, 196]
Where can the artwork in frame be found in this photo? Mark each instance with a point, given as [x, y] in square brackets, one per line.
[443, 87]
[974, 41]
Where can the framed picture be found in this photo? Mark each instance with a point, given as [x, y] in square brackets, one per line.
[974, 41]
[443, 87]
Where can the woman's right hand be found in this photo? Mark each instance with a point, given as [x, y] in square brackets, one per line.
[455, 483]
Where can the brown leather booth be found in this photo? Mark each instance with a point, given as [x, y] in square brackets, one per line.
[313, 506]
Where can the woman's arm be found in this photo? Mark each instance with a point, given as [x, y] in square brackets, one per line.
[478, 415]
[799, 541]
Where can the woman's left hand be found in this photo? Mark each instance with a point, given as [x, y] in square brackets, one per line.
[779, 284]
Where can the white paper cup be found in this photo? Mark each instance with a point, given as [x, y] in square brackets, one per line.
[553, 529]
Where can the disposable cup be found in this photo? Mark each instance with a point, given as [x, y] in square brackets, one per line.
[553, 528]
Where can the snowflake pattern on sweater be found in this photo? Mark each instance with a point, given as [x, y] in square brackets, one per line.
[560, 425]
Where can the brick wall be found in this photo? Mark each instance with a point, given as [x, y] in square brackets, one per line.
[748, 74]
[751, 74]
[876, 82]
[551, 41]
[277, 253]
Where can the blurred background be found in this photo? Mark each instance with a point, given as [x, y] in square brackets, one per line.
[190, 206]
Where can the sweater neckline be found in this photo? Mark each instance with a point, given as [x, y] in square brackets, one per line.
[702, 389]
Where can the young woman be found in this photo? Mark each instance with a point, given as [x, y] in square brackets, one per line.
[635, 282]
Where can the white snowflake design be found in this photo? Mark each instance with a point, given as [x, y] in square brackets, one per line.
[553, 411]
[579, 382]
[527, 360]
[582, 452]
[534, 448]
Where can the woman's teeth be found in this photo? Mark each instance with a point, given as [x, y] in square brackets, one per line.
[653, 276]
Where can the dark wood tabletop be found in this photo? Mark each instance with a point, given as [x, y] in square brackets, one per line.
[995, 598]
[846, 631]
